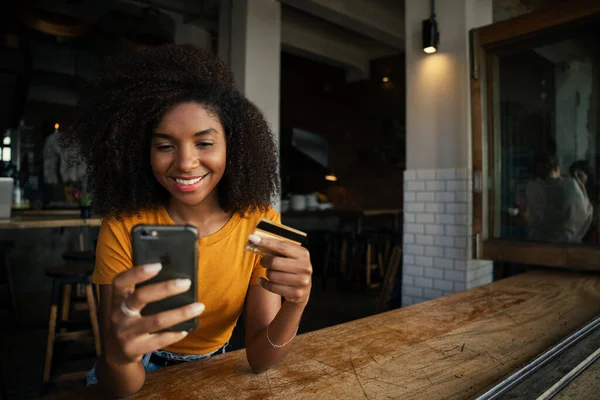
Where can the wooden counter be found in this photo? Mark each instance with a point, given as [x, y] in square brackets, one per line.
[356, 216]
[336, 212]
[453, 347]
[48, 219]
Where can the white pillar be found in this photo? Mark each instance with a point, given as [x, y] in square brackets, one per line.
[250, 42]
[437, 189]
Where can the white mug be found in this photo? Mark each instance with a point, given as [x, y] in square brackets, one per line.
[298, 202]
[312, 203]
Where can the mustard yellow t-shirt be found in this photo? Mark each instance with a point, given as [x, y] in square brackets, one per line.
[225, 271]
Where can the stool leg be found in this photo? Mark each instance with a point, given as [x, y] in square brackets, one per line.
[66, 304]
[93, 316]
[11, 287]
[50, 343]
[80, 290]
[326, 265]
[368, 265]
[343, 260]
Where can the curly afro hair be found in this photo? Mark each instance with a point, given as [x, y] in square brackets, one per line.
[118, 111]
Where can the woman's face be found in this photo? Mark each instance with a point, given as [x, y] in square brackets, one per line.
[188, 153]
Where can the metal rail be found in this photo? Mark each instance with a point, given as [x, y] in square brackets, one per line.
[517, 377]
[572, 374]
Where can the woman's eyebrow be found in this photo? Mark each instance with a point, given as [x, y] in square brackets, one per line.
[160, 135]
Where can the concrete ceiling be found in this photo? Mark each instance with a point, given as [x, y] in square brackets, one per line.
[204, 13]
[314, 38]
[373, 48]
[379, 20]
[344, 33]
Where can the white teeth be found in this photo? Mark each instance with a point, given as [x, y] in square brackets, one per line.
[188, 181]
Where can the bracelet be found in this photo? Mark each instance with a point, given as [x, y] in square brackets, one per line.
[276, 346]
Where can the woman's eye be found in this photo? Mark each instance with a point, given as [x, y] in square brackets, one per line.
[204, 144]
[164, 147]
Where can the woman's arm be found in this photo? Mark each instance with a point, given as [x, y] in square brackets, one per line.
[264, 309]
[270, 326]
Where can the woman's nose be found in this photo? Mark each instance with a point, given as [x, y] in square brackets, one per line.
[187, 159]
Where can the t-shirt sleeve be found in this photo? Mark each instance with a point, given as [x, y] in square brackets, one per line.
[259, 271]
[113, 252]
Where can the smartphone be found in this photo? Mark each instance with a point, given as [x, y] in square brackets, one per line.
[176, 248]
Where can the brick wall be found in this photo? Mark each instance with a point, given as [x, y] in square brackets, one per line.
[479, 273]
[437, 236]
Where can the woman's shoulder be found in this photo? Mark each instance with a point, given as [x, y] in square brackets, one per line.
[253, 217]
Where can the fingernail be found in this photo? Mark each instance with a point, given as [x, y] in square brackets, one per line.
[150, 268]
[197, 308]
[184, 333]
[183, 283]
[254, 238]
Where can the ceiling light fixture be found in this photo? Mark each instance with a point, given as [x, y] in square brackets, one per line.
[431, 35]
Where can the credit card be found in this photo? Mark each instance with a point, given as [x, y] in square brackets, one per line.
[266, 228]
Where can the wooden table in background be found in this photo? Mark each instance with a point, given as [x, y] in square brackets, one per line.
[454, 347]
[38, 219]
[47, 219]
[356, 215]
[27, 222]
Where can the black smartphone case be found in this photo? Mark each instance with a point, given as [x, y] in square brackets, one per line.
[175, 247]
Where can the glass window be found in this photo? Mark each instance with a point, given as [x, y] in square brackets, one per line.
[545, 143]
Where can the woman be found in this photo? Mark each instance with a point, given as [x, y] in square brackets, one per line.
[558, 207]
[169, 140]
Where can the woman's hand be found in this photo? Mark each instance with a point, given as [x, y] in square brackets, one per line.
[132, 336]
[290, 273]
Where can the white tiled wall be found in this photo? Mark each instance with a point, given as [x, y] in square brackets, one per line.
[437, 235]
[479, 273]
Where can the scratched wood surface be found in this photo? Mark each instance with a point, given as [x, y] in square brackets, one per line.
[449, 348]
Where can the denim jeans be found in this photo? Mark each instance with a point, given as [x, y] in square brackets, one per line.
[91, 378]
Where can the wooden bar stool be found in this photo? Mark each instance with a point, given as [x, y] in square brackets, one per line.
[60, 326]
[390, 278]
[8, 295]
[331, 261]
[80, 257]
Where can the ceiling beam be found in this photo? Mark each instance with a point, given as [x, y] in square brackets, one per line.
[378, 20]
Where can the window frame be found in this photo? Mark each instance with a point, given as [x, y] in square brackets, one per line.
[484, 43]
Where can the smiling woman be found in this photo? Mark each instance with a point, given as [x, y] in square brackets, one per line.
[170, 141]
